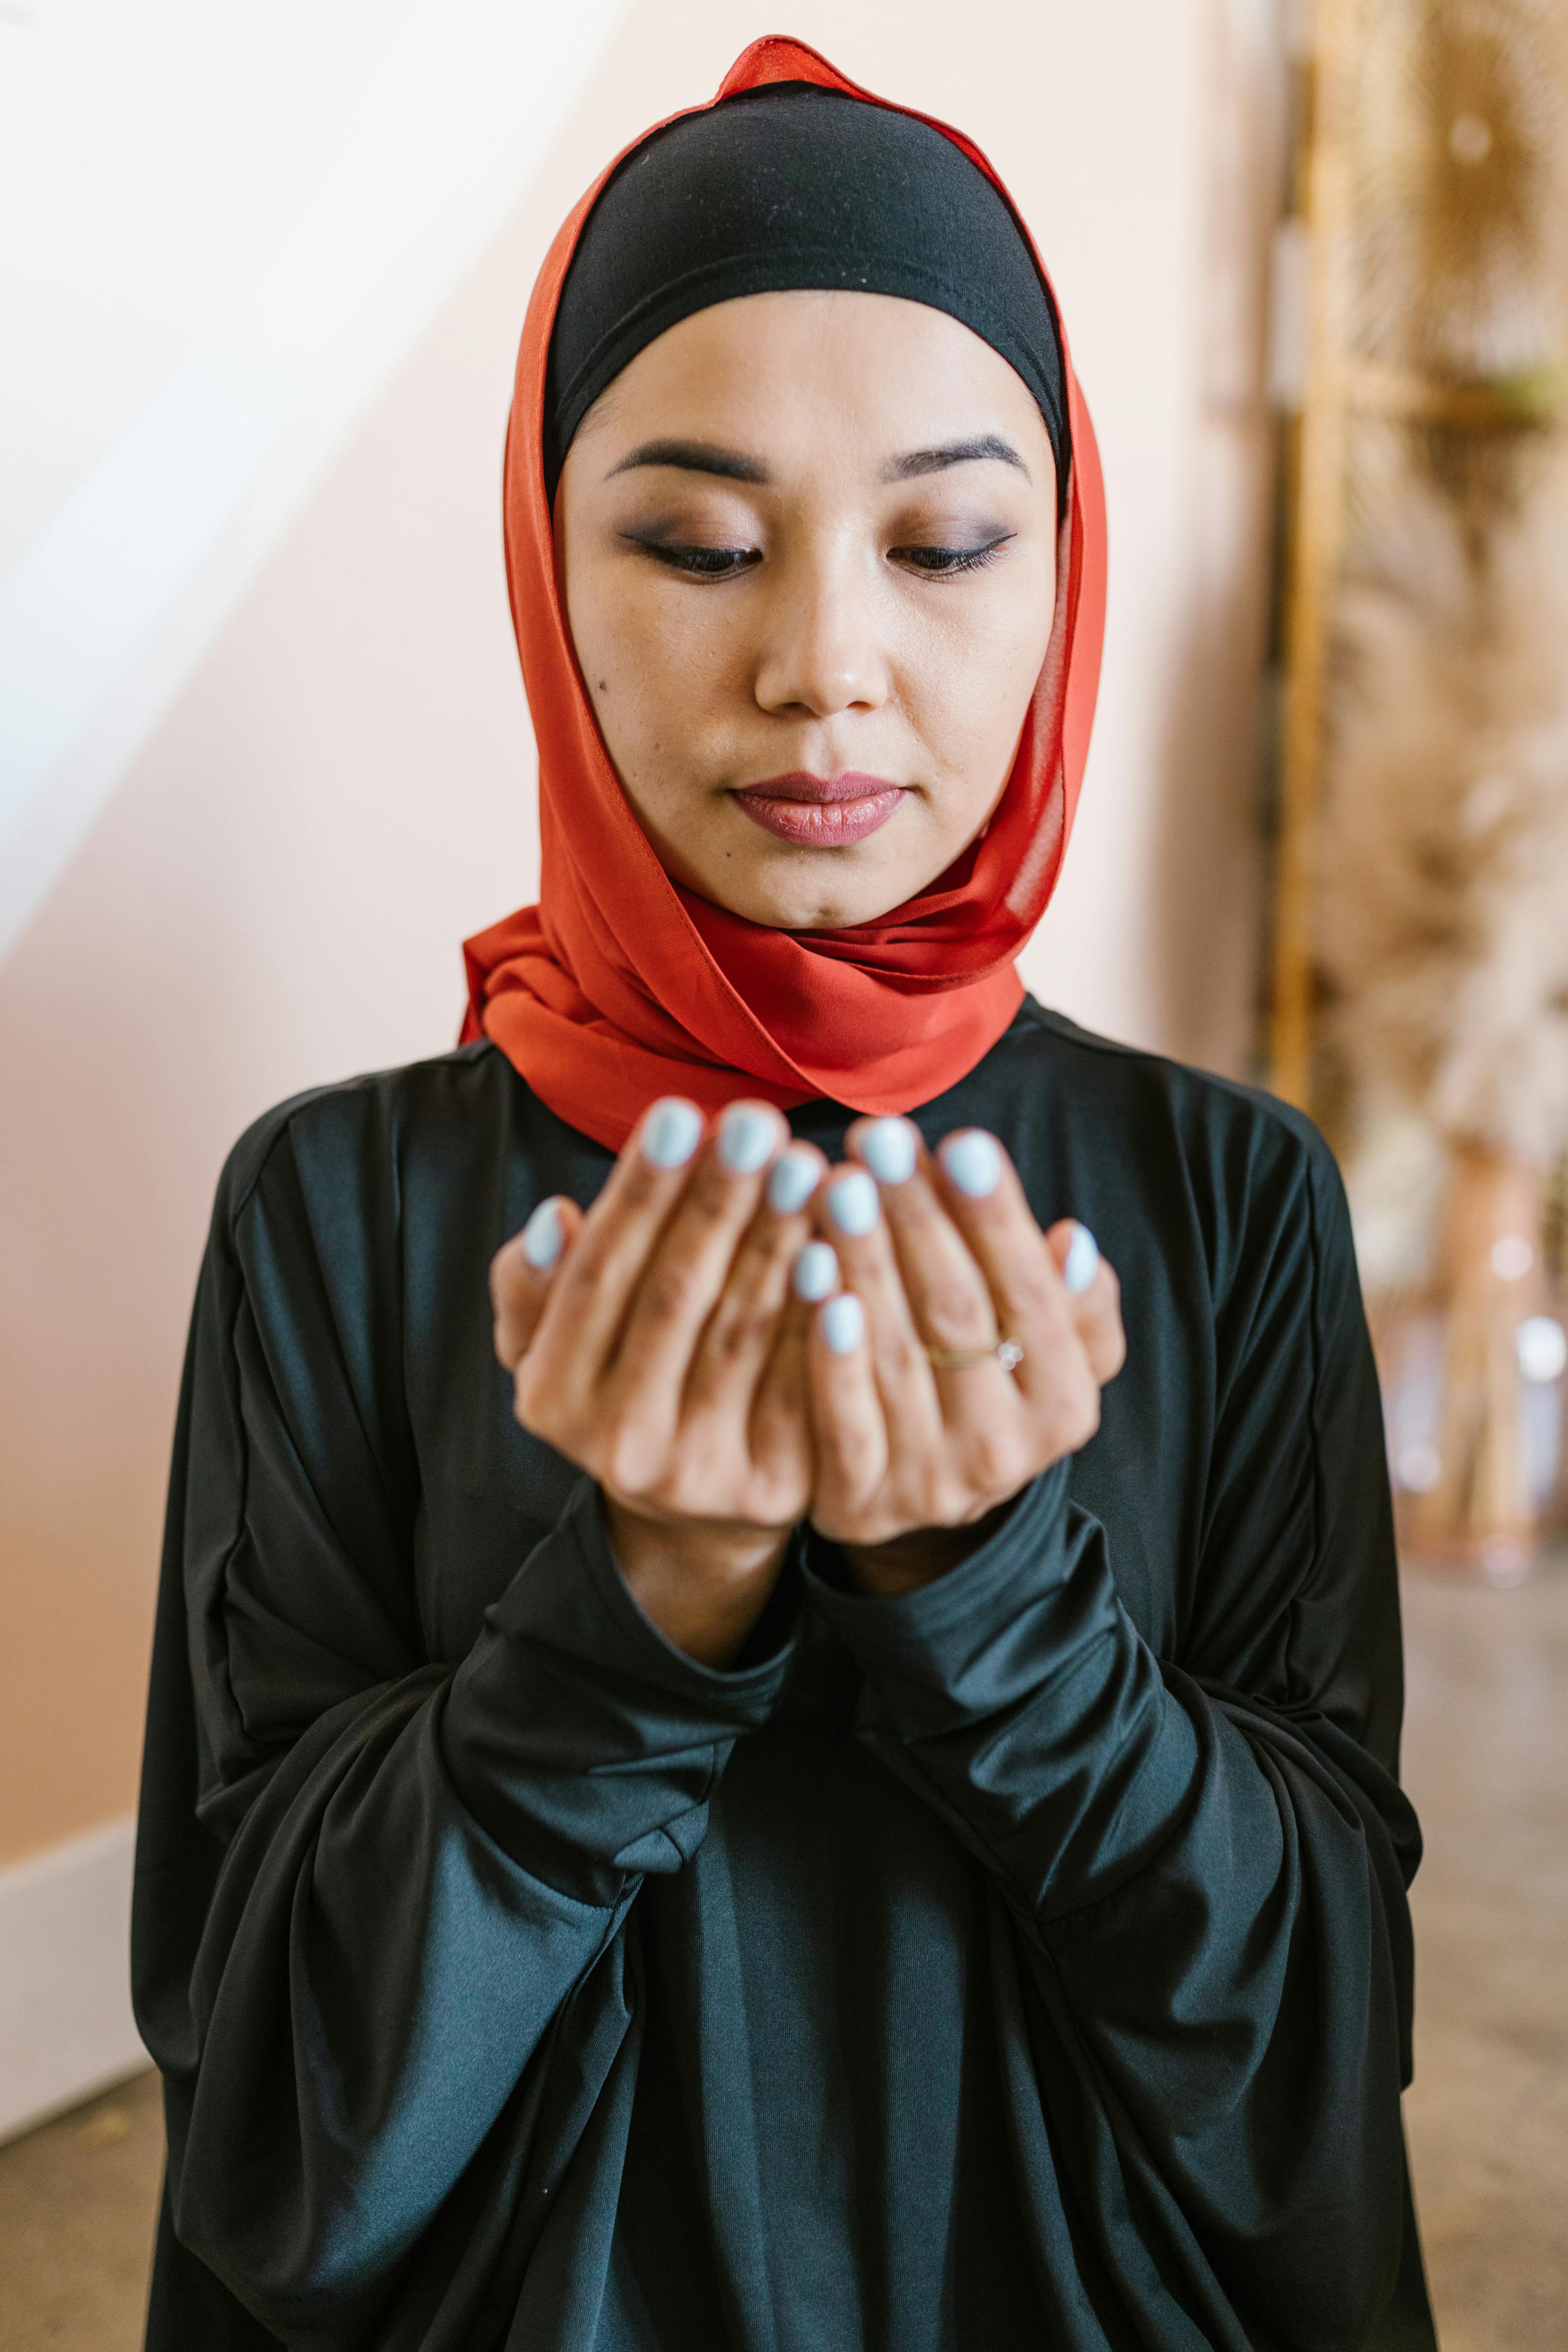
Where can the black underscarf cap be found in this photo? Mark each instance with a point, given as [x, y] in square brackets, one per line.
[793, 187]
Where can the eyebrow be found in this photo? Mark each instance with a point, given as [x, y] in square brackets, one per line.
[731, 465]
[693, 457]
[954, 453]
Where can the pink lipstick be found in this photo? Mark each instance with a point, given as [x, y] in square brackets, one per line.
[821, 811]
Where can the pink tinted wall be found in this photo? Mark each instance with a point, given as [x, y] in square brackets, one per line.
[274, 896]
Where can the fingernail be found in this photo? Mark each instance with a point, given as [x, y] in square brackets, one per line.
[888, 1147]
[973, 1161]
[844, 1323]
[672, 1132]
[1082, 1259]
[542, 1236]
[794, 1181]
[853, 1202]
[746, 1139]
[815, 1273]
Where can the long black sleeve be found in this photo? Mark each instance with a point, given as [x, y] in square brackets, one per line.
[422, 1864]
[1207, 1865]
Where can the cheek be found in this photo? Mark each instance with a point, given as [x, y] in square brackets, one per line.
[672, 650]
[644, 664]
[975, 672]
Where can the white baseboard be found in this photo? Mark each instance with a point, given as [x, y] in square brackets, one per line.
[65, 2027]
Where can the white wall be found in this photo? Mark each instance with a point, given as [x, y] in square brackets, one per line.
[338, 786]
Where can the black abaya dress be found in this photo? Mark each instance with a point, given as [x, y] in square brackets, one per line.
[1023, 1962]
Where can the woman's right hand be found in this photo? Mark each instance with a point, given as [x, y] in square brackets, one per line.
[656, 1341]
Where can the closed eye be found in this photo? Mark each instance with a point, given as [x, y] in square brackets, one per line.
[697, 563]
[946, 563]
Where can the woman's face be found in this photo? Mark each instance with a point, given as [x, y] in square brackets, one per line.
[808, 549]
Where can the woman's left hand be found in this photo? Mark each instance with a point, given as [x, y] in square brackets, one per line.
[941, 1256]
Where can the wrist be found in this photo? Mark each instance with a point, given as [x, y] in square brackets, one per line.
[905, 1562]
[702, 1584]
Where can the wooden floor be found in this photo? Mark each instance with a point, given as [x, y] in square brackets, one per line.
[1487, 1764]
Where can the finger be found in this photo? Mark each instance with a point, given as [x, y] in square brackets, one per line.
[522, 1271]
[981, 1192]
[688, 1269]
[779, 1438]
[947, 1291]
[1094, 1297]
[746, 1325]
[850, 1214]
[848, 1427]
[586, 1303]
[950, 1302]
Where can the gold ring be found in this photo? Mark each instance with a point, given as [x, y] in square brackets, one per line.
[1006, 1352]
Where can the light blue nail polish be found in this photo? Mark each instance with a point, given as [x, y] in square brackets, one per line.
[1082, 1260]
[542, 1236]
[746, 1139]
[815, 1273]
[888, 1149]
[794, 1181]
[844, 1323]
[853, 1204]
[672, 1132]
[974, 1163]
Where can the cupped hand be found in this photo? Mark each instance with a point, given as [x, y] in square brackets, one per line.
[941, 1259]
[656, 1339]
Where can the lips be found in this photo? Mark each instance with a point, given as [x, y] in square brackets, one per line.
[821, 811]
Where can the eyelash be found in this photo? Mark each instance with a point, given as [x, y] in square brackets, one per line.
[728, 563]
[697, 563]
[954, 559]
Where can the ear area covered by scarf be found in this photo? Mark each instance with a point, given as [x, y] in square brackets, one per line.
[618, 985]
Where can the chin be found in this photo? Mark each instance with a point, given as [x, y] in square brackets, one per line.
[804, 890]
[823, 910]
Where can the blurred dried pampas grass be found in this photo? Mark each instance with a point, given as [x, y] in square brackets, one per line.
[1442, 849]
[1443, 899]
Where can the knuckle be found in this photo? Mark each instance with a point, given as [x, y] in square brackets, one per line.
[714, 1195]
[954, 1504]
[994, 1461]
[954, 1314]
[624, 1450]
[739, 1335]
[583, 1271]
[1068, 1416]
[666, 1293]
[527, 1402]
[901, 1356]
[638, 1183]
[935, 1499]
[679, 1492]
[1035, 1289]
[1088, 1418]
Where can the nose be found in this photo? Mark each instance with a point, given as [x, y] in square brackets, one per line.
[822, 653]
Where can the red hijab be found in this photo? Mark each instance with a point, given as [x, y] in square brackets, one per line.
[619, 985]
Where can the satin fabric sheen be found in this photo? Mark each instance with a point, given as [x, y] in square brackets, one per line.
[1024, 1963]
[619, 985]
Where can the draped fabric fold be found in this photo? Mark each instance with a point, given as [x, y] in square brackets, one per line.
[1023, 1960]
[619, 985]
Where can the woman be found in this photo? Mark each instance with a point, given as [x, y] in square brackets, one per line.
[780, 1816]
